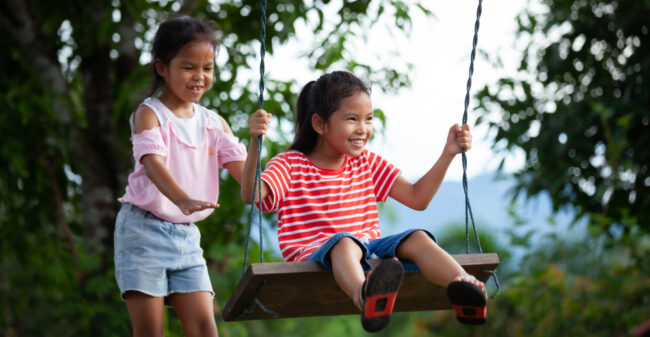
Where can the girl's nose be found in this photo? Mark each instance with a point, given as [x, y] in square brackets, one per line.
[205, 75]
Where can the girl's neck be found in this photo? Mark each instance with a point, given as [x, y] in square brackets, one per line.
[325, 160]
[178, 107]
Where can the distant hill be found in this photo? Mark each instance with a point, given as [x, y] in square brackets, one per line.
[489, 198]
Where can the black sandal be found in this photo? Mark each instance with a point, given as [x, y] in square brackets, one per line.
[378, 294]
[468, 301]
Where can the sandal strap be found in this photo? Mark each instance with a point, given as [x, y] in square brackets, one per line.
[370, 305]
[470, 311]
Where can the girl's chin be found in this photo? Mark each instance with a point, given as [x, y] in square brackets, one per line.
[355, 153]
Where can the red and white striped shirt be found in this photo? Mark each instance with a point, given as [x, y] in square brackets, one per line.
[314, 203]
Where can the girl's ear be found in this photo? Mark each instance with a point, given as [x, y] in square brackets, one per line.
[317, 124]
[161, 68]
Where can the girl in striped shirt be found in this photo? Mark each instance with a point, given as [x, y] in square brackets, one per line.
[325, 190]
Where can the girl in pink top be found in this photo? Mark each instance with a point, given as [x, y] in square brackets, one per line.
[178, 147]
[325, 189]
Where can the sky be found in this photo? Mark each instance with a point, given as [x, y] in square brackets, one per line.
[418, 118]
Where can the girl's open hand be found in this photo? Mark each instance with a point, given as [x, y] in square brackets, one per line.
[459, 138]
[190, 206]
[258, 124]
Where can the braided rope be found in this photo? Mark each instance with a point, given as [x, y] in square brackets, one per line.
[257, 185]
[258, 171]
[468, 207]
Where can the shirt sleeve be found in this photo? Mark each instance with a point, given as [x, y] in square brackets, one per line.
[230, 149]
[277, 175]
[384, 175]
[149, 142]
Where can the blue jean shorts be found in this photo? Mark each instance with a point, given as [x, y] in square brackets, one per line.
[383, 247]
[157, 257]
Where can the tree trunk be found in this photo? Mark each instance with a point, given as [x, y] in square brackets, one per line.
[99, 186]
[98, 167]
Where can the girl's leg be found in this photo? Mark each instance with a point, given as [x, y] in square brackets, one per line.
[196, 312]
[348, 273]
[434, 262]
[146, 312]
[468, 301]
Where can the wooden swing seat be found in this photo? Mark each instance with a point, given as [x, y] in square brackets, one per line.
[304, 289]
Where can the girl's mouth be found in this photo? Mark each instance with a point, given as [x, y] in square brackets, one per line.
[358, 142]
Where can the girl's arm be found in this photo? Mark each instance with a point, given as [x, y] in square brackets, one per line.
[419, 195]
[154, 166]
[257, 125]
[235, 168]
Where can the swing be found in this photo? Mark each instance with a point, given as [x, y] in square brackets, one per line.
[305, 289]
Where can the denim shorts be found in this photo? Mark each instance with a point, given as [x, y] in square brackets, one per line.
[157, 257]
[383, 247]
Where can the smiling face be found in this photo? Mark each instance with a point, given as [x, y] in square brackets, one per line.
[348, 129]
[188, 75]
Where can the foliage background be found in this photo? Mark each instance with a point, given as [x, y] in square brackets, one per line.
[72, 73]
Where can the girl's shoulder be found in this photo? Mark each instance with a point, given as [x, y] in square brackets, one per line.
[364, 156]
[290, 158]
[213, 119]
[368, 158]
[152, 104]
[147, 115]
[292, 155]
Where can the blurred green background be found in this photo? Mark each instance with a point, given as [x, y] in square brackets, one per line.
[73, 71]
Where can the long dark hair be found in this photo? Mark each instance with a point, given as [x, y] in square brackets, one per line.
[322, 97]
[172, 36]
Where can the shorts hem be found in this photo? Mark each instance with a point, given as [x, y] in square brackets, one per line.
[122, 293]
[149, 293]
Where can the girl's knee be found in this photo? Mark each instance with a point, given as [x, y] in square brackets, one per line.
[208, 327]
[347, 243]
[420, 237]
[416, 242]
[346, 246]
[202, 325]
[152, 330]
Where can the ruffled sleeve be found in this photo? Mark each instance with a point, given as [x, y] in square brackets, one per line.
[149, 142]
[230, 149]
